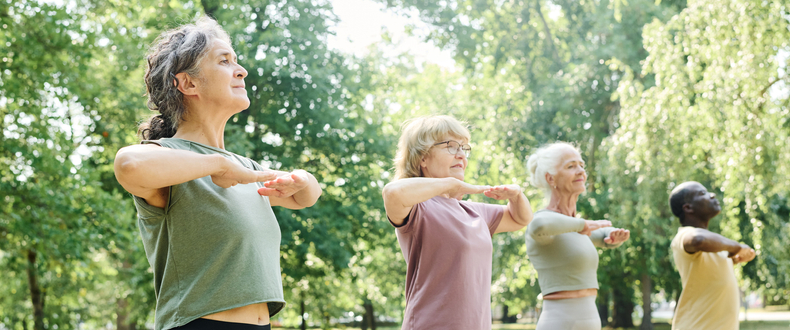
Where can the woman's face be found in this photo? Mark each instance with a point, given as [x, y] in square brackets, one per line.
[440, 163]
[571, 176]
[221, 82]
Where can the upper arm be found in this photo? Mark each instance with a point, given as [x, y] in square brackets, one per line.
[507, 223]
[129, 172]
[394, 206]
[692, 241]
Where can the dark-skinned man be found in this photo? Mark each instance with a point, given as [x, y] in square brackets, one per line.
[710, 296]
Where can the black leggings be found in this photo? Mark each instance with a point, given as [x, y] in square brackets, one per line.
[206, 324]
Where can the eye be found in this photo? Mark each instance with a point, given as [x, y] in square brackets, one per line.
[225, 61]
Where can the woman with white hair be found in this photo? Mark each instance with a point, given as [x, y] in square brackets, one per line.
[446, 241]
[561, 246]
[205, 214]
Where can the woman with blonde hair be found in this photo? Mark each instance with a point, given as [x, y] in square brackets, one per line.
[561, 246]
[446, 241]
[205, 214]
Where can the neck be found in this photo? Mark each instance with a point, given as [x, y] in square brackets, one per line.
[696, 222]
[203, 126]
[562, 203]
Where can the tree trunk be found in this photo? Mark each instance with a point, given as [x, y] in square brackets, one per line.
[647, 289]
[122, 318]
[303, 326]
[603, 306]
[36, 293]
[370, 316]
[507, 318]
[622, 295]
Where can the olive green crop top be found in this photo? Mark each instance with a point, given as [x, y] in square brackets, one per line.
[211, 248]
[565, 260]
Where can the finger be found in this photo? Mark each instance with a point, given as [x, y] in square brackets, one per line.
[298, 178]
[262, 176]
[279, 182]
[268, 192]
[608, 240]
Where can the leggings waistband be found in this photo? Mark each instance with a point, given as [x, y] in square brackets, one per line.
[206, 324]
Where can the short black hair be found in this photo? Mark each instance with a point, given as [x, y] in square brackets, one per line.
[677, 198]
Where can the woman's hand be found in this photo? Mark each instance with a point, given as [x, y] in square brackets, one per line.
[461, 188]
[233, 173]
[617, 236]
[285, 185]
[503, 192]
[591, 225]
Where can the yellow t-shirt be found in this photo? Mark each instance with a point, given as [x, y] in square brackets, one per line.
[710, 298]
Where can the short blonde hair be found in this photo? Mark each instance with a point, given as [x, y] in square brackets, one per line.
[418, 136]
[547, 160]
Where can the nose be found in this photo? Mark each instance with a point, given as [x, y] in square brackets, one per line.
[241, 73]
[460, 154]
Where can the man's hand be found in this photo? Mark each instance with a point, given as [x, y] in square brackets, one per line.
[745, 255]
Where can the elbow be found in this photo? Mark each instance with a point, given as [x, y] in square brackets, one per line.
[537, 229]
[696, 243]
[124, 165]
[389, 192]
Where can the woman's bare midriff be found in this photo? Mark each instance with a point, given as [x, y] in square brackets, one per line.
[571, 294]
[251, 314]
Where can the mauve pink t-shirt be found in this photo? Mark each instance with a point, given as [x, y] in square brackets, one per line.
[448, 251]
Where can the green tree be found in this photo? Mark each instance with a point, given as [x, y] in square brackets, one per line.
[712, 116]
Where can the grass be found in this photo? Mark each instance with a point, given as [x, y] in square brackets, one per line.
[749, 325]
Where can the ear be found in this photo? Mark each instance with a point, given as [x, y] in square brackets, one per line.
[186, 84]
[550, 179]
[687, 208]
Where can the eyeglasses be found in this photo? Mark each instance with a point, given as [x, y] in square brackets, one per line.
[453, 147]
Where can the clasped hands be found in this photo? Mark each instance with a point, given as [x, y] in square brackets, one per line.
[275, 183]
[617, 236]
[502, 192]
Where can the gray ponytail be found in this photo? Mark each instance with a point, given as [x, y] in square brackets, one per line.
[175, 51]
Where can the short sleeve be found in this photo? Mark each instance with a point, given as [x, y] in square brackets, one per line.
[491, 213]
[413, 217]
[677, 243]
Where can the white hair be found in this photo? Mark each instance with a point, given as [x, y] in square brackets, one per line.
[547, 160]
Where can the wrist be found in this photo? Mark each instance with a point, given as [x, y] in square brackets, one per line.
[219, 164]
[734, 249]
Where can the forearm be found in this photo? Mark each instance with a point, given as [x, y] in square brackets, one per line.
[412, 191]
[554, 224]
[520, 209]
[711, 242]
[149, 167]
[309, 195]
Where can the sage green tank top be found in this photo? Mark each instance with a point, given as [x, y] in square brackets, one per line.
[211, 248]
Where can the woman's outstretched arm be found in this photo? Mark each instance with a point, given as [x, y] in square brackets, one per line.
[145, 169]
[401, 195]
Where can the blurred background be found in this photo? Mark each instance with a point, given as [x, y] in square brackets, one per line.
[654, 93]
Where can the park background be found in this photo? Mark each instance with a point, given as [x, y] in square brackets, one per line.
[654, 92]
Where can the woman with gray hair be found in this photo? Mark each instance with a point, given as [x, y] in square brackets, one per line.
[446, 241]
[561, 246]
[205, 214]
